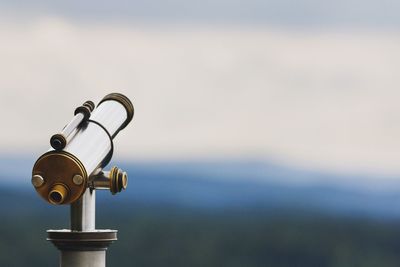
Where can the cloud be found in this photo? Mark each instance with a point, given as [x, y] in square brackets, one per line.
[318, 99]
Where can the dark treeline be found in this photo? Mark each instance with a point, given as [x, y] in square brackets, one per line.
[172, 237]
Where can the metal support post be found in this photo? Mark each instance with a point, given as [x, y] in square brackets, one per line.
[83, 245]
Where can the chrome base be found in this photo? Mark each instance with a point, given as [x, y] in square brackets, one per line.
[83, 259]
[82, 249]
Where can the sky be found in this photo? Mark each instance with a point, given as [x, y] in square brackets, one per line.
[307, 83]
[310, 13]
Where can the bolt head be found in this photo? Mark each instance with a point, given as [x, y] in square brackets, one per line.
[77, 179]
[124, 180]
[37, 180]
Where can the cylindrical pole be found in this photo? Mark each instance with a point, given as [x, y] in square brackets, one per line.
[83, 219]
[83, 212]
[83, 259]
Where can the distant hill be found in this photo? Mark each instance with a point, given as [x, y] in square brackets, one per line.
[211, 186]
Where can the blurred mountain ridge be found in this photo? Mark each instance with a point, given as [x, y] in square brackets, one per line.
[225, 185]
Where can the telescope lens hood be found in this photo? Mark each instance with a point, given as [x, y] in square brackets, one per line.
[125, 102]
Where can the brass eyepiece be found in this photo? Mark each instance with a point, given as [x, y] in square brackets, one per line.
[58, 141]
[57, 194]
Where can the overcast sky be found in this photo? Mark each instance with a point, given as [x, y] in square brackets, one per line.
[317, 13]
[316, 97]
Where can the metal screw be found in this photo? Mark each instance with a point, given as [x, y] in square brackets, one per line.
[124, 180]
[77, 179]
[37, 180]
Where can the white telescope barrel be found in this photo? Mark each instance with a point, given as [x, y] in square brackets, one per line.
[91, 144]
[70, 127]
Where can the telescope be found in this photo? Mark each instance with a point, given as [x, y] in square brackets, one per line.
[72, 170]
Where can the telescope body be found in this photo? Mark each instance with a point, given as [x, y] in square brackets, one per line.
[61, 176]
[72, 170]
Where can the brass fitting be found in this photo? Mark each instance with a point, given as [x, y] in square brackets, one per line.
[57, 194]
[115, 180]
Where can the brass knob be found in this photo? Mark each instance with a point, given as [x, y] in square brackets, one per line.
[118, 180]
